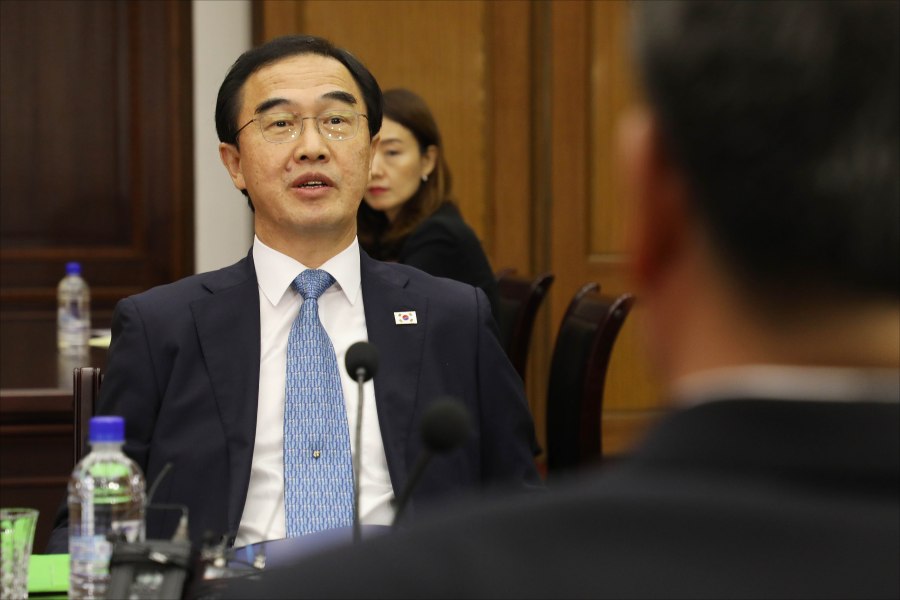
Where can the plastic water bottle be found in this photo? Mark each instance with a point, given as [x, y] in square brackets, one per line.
[73, 324]
[106, 495]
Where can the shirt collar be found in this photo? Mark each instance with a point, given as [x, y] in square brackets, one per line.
[838, 384]
[275, 271]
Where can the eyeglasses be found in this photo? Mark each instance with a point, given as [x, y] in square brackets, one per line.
[279, 128]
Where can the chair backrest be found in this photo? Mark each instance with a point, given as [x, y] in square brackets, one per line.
[86, 392]
[577, 376]
[519, 301]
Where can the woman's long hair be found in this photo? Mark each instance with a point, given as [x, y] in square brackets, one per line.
[378, 236]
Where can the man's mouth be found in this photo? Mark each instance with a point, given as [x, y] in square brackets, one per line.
[313, 181]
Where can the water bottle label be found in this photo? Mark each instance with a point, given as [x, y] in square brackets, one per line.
[91, 553]
[72, 332]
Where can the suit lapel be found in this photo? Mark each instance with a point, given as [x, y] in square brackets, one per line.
[228, 329]
[400, 350]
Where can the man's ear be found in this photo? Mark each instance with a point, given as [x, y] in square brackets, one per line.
[231, 158]
[658, 188]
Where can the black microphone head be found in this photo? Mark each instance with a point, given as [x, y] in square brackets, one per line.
[445, 425]
[362, 355]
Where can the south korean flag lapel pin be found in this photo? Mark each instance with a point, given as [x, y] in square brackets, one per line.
[405, 317]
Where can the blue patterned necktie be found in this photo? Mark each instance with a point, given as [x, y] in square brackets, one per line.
[318, 473]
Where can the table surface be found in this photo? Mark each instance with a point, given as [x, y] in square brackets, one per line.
[30, 361]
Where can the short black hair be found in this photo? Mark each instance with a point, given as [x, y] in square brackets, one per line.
[229, 99]
[784, 118]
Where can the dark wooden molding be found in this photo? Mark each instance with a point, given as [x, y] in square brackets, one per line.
[97, 150]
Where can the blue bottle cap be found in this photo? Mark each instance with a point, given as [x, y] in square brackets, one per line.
[107, 429]
[73, 268]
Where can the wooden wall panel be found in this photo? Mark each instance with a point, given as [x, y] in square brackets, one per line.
[593, 85]
[96, 148]
[34, 114]
[633, 397]
[612, 90]
[517, 238]
[566, 194]
[511, 112]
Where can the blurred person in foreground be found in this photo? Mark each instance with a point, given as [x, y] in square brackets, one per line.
[765, 168]
[408, 215]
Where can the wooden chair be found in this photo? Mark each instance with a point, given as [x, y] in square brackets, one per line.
[86, 393]
[519, 301]
[577, 375]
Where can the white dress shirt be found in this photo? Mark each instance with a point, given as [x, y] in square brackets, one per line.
[342, 315]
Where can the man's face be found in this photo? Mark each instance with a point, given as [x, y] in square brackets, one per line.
[310, 186]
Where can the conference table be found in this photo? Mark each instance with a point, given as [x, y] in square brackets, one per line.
[36, 416]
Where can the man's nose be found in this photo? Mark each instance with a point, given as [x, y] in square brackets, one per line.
[310, 145]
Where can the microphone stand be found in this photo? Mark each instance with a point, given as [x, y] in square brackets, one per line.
[406, 492]
[362, 362]
[360, 380]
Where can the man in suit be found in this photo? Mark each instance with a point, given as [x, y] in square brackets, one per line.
[199, 368]
[766, 169]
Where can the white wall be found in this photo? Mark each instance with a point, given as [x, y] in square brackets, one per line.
[223, 224]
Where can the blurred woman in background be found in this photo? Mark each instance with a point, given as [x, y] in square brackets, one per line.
[408, 216]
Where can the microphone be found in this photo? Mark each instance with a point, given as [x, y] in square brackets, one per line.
[361, 361]
[152, 568]
[181, 532]
[445, 426]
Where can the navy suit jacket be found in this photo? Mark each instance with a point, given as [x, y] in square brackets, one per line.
[183, 370]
